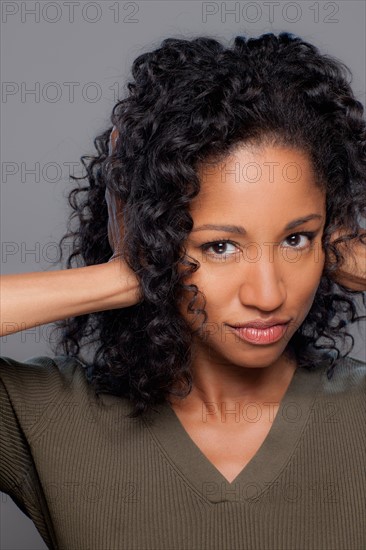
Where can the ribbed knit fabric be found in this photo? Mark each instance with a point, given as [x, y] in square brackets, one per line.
[92, 479]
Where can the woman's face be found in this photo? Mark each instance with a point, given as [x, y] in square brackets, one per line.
[263, 270]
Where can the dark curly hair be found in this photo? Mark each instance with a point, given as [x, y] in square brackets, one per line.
[189, 101]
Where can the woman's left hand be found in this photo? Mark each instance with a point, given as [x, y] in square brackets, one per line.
[352, 274]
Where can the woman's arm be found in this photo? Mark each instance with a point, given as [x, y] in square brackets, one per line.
[30, 299]
[37, 298]
[352, 274]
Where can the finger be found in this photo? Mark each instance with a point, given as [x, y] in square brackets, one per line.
[113, 140]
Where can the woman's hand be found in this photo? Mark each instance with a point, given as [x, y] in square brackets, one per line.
[352, 274]
[116, 230]
[114, 205]
[115, 223]
[129, 281]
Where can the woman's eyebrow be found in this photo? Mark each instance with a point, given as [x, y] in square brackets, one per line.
[241, 230]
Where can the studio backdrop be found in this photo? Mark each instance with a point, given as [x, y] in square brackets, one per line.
[64, 65]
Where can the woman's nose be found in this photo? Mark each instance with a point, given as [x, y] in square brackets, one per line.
[262, 285]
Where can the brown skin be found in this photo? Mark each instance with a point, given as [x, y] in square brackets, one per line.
[229, 372]
[352, 274]
[114, 205]
[281, 283]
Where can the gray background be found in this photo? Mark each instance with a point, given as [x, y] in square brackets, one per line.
[94, 48]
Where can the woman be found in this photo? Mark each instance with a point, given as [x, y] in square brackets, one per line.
[230, 191]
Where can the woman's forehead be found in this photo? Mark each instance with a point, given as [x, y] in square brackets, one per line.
[258, 177]
[246, 161]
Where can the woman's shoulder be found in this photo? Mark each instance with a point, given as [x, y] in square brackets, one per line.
[41, 367]
[350, 369]
[345, 377]
[43, 377]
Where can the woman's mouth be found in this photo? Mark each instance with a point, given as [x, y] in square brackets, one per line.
[262, 336]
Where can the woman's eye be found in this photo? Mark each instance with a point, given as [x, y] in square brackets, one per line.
[220, 249]
[300, 240]
[223, 250]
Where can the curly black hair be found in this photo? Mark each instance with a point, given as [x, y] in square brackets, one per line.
[189, 101]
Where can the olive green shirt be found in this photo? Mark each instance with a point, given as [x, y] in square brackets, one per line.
[92, 479]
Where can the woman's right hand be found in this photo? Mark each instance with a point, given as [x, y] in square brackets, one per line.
[115, 227]
[114, 205]
[115, 238]
[115, 223]
[36, 298]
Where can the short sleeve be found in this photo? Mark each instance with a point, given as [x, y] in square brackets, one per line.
[28, 389]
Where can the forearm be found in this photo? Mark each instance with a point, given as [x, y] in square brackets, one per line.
[31, 299]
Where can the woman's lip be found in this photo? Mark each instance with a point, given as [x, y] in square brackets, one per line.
[263, 336]
[257, 323]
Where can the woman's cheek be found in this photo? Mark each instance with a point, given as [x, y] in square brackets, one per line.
[308, 282]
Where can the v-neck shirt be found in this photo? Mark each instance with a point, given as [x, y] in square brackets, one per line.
[275, 451]
[90, 478]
